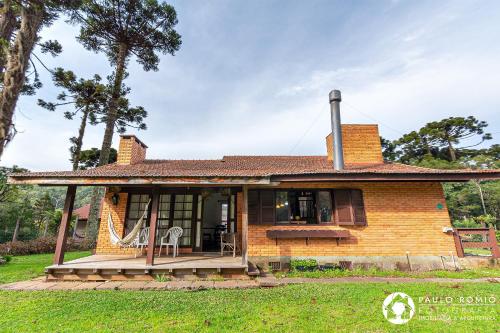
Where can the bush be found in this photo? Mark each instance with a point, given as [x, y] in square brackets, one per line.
[304, 265]
[40, 245]
[466, 223]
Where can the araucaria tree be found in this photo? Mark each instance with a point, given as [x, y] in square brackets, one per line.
[122, 30]
[87, 97]
[437, 140]
[20, 23]
[450, 131]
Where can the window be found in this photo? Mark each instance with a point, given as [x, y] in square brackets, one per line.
[302, 207]
[325, 206]
[173, 210]
[282, 207]
[296, 207]
[136, 208]
[349, 207]
[341, 206]
[163, 215]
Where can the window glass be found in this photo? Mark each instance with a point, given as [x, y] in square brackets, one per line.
[182, 216]
[325, 206]
[282, 207]
[302, 207]
[223, 217]
[163, 215]
[136, 208]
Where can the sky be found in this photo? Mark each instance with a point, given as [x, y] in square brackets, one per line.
[253, 77]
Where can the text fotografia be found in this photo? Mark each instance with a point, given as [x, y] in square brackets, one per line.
[457, 308]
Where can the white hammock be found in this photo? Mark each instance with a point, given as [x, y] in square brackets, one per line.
[132, 237]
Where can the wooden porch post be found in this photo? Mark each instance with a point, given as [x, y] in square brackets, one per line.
[152, 227]
[458, 244]
[495, 250]
[244, 226]
[63, 227]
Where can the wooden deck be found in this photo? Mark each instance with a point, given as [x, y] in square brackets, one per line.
[127, 267]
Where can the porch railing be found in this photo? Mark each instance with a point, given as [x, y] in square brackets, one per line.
[462, 234]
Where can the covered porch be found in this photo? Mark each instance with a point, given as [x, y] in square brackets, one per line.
[203, 212]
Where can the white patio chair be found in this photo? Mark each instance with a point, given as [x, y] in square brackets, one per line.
[171, 238]
[142, 241]
[228, 240]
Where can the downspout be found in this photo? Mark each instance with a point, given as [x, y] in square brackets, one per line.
[338, 153]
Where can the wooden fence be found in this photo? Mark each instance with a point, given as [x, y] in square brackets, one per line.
[461, 242]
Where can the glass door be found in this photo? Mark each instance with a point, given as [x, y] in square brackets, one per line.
[182, 217]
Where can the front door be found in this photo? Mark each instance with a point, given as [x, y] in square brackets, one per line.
[215, 221]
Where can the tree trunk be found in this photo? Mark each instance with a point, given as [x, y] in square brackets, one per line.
[112, 114]
[79, 139]
[451, 151]
[93, 220]
[16, 229]
[427, 147]
[17, 63]
[481, 195]
[7, 26]
[46, 228]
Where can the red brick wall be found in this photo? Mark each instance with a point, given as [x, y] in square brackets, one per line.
[401, 217]
[130, 150]
[118, 212]
[361, 144]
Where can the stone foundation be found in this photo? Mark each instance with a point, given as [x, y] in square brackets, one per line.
[401, 263]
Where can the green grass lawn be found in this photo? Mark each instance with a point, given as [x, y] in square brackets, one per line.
[463, 274]
[294, 308]
[299, 308]
[477, 252]
[28, 267]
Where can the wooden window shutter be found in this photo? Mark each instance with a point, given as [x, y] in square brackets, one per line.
[267, 207]
[358, 207]
[253, 207]
[343, 212]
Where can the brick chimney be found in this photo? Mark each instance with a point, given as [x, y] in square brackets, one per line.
[361, 144]
[131, 150]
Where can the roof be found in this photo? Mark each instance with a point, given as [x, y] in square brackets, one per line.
[82, 212]
[271, 167]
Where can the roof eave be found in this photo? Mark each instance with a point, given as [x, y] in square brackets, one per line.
[443, 177]
[120, 181]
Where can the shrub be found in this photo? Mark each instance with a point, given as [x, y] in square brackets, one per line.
[466, 223]
[304, 265]
[40, 245]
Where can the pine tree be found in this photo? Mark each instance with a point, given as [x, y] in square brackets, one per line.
[87, 97]
[122, 30]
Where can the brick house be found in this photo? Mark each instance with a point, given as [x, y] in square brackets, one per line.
[348, 205]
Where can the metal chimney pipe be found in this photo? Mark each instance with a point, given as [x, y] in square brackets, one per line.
[338, 153]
